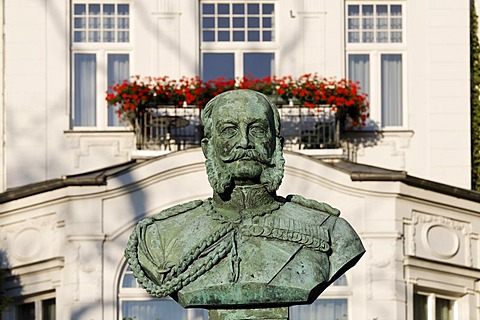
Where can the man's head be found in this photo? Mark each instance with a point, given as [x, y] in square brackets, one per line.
[242, 141]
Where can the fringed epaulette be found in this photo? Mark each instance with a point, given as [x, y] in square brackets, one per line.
[313, 204]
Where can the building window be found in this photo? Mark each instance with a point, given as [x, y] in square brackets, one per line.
[432, 306]
[331, 305]
[237, 21]
[378, 23]
[375, 58]
[100, 58]
[253, 64]
[101, 22]
[136, 303]
[238, 39]
[35, 308]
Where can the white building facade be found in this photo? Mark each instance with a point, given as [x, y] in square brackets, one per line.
[63, 240]
[74, 182]
[411, 57]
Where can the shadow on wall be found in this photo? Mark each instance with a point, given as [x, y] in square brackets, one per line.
[8, 283]
[352, 141]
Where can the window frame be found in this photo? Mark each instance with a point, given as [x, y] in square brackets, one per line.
[432, 297]
[238, 48]
[137, 293]
[37, 300]
[239, 59]
[101, 50]
[375, 50]
[398, 45]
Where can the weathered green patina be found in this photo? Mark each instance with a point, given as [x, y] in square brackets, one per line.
[244, 248]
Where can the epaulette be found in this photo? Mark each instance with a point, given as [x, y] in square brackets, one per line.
[178, 209]
[313, 204]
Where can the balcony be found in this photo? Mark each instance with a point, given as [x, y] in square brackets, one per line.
[169, 128]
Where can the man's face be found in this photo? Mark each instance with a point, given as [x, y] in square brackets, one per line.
[243, 138]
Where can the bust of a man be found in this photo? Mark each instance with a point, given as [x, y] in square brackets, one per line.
[244, 246]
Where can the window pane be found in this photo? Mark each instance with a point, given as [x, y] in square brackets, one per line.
[382, 10]
[94, 23]
[267, 36]
[354, 37]
[80, 23]
[353, 23]
[108, 9]
[223, 22]
[123, 23]
[367, 10]
[268, 8]
[321, 309]
[94, 9]
[253, 8]
[253, 22]
[238, 8]
[123, 36]
[217, 65]
[48, 309]
[223, 8]
[208, 22]
[420, 307]
[118, 71]
[359, 70]
[267, 22]
[443, 309]
[238, 36]
[353, 10]
[238, 22]
[25, 311]
[382, 36]
[123, 9]
[80, 9]
[80, 36]
[94, 36]
[396, 10]
[208, 36]
[367, 36]
[158, 309]
[85, 89]
[109, 36]
[129, 281]
[391, 89]
[253, 36]
[208, 8]
[396, 36]
[109, 23]
[224, 36]
[258, 65]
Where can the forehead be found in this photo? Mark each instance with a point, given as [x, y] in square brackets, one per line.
[242, 109]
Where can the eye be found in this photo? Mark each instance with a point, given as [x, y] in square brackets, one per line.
[229, 131]
[258, 130]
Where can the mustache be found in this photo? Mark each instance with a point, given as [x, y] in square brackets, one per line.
[247, 154]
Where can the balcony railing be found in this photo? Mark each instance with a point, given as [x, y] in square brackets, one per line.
[172, 128]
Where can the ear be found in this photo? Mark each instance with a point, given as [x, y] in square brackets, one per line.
[204, 144]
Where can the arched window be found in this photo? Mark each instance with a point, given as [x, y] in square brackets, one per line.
[136, 304]
[331, 305]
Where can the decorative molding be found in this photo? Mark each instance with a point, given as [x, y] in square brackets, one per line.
[438, 237]
[29, 239]
[121, 144]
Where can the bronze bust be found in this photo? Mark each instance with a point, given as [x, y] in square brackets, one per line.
[245, 246]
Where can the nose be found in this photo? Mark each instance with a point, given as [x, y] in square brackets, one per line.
[243, 139]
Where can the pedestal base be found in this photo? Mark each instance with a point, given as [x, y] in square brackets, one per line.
[249, 314]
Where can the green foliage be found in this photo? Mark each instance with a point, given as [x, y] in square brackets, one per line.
[4, 299]
[475, 96]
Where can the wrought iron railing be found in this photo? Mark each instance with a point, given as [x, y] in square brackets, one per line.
[178, 128]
